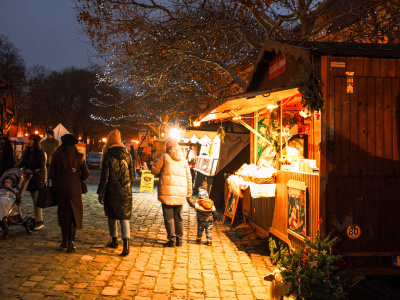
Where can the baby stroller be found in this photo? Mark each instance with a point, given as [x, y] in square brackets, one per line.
[13, 184]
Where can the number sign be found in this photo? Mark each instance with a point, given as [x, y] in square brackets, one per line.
[353, 231]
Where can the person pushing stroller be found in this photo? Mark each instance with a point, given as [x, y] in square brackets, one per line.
[206, 215]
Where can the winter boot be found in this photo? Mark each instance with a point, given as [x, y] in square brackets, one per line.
[113, 243]
[125, 251]
[198, 241]
[64, 233]
[169, 244]
[209, 242]
[71, 240]
[179, 242]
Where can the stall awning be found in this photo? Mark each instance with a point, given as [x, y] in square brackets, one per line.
[248, 103]
[189, 134]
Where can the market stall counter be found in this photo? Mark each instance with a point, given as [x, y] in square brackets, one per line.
[250, 186]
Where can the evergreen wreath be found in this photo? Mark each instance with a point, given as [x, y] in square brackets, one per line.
[310, 86]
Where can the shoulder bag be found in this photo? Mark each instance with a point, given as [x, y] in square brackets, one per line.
[47, 196]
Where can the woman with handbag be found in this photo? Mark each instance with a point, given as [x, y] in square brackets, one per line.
[115, 188]
[67, 171]
[34, 159]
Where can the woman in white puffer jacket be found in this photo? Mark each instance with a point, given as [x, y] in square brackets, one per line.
[174, 187]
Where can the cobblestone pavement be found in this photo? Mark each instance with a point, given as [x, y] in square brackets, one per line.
[33, 267]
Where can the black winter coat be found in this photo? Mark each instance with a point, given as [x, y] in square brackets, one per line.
[34, 160]
[116, 183]
[67, 183]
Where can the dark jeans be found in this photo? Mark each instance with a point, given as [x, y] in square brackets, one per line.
[173, 221]
[204, 226]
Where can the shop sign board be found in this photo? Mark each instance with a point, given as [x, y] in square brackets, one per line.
[231, 207]
[297, 200]
[353, 231]
[277, 67]
[147, 182]
[143, 139]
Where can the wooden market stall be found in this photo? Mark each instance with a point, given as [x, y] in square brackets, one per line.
[346, 166]
[220, 148]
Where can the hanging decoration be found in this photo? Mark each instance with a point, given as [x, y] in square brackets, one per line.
[310, 86]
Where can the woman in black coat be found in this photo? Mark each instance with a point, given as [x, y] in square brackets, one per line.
[34, 159]
[115, 188]
[67, 169]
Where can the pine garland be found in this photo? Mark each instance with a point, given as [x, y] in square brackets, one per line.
[310, 86]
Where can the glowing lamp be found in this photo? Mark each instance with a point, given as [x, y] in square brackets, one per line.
[104, 139]
[174, 133]
[196, 123]
[272, 106]
[26, 134]
[36, 132]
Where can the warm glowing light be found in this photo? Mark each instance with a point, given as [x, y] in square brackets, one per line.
[196, 124]
[79, 138]
[272, 106]
[104, 139]
[137, 142]
[26, 134]
[162, 134]
[36, 132]
[174, 133]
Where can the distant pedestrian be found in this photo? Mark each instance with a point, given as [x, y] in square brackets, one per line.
[206, 215]
[49, 145]
[7, 156]
[133, 154]
[68, 168]
[115, 189]
[174, 187]
[34, 159]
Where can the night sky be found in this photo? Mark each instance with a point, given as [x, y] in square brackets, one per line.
[46, 33]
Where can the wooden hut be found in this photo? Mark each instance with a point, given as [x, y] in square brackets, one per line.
[354, 140]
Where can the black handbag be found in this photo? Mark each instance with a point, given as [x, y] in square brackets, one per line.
[84, 187]
[47, 197]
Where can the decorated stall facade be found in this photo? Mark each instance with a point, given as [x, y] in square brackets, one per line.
[344, 165]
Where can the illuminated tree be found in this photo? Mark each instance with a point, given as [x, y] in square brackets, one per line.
[177, 56]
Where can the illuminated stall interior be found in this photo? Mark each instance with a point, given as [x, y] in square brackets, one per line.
[290, 130]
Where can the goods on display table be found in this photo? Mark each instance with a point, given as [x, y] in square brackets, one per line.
[261, 181]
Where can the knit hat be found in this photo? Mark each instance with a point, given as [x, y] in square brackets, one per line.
[114, 137]
[171, 142]
[69, 139]
[202, 193]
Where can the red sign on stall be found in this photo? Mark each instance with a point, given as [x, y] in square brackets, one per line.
[277, 67]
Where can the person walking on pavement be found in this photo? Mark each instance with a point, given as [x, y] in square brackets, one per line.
[49, 145]
[133, 154]
[67, 170]
[206, 215]
[34, 159]
[115, 189]
[7, 156]
[174, 187]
